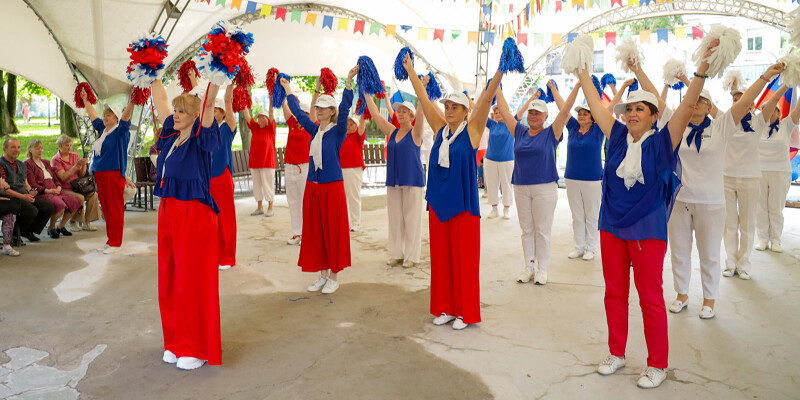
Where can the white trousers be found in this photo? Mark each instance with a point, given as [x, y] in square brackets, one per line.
[769, 219]
[353, 177]
[707, 221]
[296, 176]
[536, 205]
[497, 175]
[404, 204]
[741, 201]
[263, 183]
[584, 202]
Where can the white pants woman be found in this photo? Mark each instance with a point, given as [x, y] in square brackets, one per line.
[296, 175]
[584, 202]
[497, 175]
[263, 184]
[769, 218]
[536, 205]
[405, 222]
[353, 178]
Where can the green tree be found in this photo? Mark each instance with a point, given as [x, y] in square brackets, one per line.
[665, 22]
[11, 100]
[7, 124]
[67, 117]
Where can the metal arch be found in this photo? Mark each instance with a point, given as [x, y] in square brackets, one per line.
[742, 8]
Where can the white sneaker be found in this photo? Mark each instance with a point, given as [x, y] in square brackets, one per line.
[111, 250]
[677, 306]
[728, 272]
[459, 324]
[541, 277]
[74, 226]
[506, 213]
[652, 378]
[316, 286]
[408, 264]
[485, 195]
[224, 267]
[294, 240]
[492, 214]
[575, 254]
[610, 365]
[743, 275]
[443, 319]
[707, 313]
[87, 226]
[526, 275]
[330, 286]
[170, 357]
[269, 213]
[258, 211]
[104, 248]
[588, 256]
[190, 363]
[355, 228]
[776, 248]
[761, 245]
[394, 261]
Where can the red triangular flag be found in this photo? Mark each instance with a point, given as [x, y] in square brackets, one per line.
[359, 27]
[697, 33]
[280, 13]
[438, 34]
[611, 38]
[522, 38]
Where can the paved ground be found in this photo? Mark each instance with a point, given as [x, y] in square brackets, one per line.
[75, 323]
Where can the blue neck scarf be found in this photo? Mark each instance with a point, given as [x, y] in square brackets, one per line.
[697, 133]
[746, 123]
[774, 127]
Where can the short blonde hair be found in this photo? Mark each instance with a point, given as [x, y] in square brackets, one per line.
[187, 103]
[32, 145]
[62, 140]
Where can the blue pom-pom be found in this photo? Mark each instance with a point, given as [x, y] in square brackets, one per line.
[362, 103]
[542, 95]
[465, 93]
[434, 92]
[400, 72]
[678, 86]
[634, 86]
[597, 86]
[278, 93]
[368, 79]
[511, 59]
[607, 79]
[494, 99]
[549, 98]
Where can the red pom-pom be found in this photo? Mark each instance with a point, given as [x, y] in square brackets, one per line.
[188, 67]
[244, 78]
[382, 94]
[241, 99]
[328, 81]
[366, 115]
[272, 74]
[140, 96]
[89, 95]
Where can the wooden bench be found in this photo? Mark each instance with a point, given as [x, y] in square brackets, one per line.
[143, 168]
[240, 170]
[375, 160]
[280, 170]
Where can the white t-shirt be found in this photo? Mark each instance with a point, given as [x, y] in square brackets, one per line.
[701, 174]
[774, 150]
[741, 154]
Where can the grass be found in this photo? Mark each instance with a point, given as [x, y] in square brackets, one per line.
[37, 129]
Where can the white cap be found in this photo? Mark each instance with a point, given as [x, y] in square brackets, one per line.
[219, 103]
[406, 104]
[114, 110]
[638, 96]
[736, 91]
[353, 118]
[582, 107]
[538, 105]
[456, 97]
[325, 101]
[305, 107]
[706, 95]
[263, 112]
[198, 91]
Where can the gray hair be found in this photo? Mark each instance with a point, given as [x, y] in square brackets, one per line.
[63, 139]
[9, 140]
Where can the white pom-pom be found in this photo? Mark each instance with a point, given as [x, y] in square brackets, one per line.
[734, 77]
[578, 55]
[674, 69]
[791, 73]
[730, 44]
[629, 50]
[794, 27]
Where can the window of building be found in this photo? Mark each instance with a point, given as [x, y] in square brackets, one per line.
[554, 64]
[754, 39]
[598, 62]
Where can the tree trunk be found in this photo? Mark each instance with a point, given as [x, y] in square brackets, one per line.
[11, 101]
[245, 132]
[67, 117]
[5, 123]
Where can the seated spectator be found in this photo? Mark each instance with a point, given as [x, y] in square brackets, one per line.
[40, 176]
[68, 166]
[8, 207]
[35, 210]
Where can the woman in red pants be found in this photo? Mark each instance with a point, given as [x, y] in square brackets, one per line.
[222, 180]
[188, 281]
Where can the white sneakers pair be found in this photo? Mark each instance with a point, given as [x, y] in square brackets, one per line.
[458, 322]
[106, 249]
[586, 256]
[328, 286]
[774, 246]
[184, 363]
[224, 267]
[539, 276]
[296, 239]
[355, 228]
[494, 213]
[651, 377]
[677, 306]
[743, 275]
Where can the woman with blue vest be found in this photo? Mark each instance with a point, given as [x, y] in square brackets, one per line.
[498, 164]
[325, 247]
[404, 181]
[188, 241]
[535, 180]
[108, 164]
[222, 180]
[638, 188]
[453, 209]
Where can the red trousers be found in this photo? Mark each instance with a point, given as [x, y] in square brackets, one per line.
[110, 185]
[326, 230]
[647, 258]
[455, 263]
[222, 191]
[188, 280]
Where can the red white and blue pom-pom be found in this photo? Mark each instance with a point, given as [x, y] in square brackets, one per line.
[279, 93]
[550, 98]
[368, 79]
[597, 86]
[328, 81]
[90, 97]
[607, 79]
[381, 95]
[272, 75]
[223, 52]
[188, 67]
[511, 60]
[633, 86]
[400, 72]
[148, 52]
[241, 98]
[678, 86]
[244, 77]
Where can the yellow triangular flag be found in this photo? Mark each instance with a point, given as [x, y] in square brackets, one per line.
[343, 24]
[390, 30]
[680, 33]
[265, 11]
[423, 34]
[472, 37]
[644, 36]
[311, 18]
[556, 39]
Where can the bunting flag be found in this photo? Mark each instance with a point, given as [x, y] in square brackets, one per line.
[343, 24]
[265, 11]
[221, 3]
[680, 33]
[375, 28]
[438, 34]
[327, 22]
[538, 39]
[422, 34]
[390, 30]
[280, 13]
[311, 18]
[644, 36]
[251, 8]
[295, 16]
[472, 37]
[697, 33]
[488, 37]
[358, 27]
[556, 39]
[522, 38]
[611, 38]
[571, 37]
[237, 4]
[454, 35]
[662, 35]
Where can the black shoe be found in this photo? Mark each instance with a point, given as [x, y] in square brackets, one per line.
[64, 232]
[32, 237]
[53, 233]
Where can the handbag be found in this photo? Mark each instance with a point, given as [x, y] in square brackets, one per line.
[84, 185]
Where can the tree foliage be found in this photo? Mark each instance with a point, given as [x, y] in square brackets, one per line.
[654, 23]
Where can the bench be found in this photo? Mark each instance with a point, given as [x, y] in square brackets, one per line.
[240, 170]
[143, 170]
[280, 170]
[375, 161]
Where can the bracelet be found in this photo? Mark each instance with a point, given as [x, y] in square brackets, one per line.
[765, 79]
[700, 76]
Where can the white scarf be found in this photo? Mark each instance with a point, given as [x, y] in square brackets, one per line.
[40, 164]
[316, 146]
[630, 169]
[98, 144]
[447, 139]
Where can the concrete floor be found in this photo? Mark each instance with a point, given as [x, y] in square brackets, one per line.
[78, 324]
